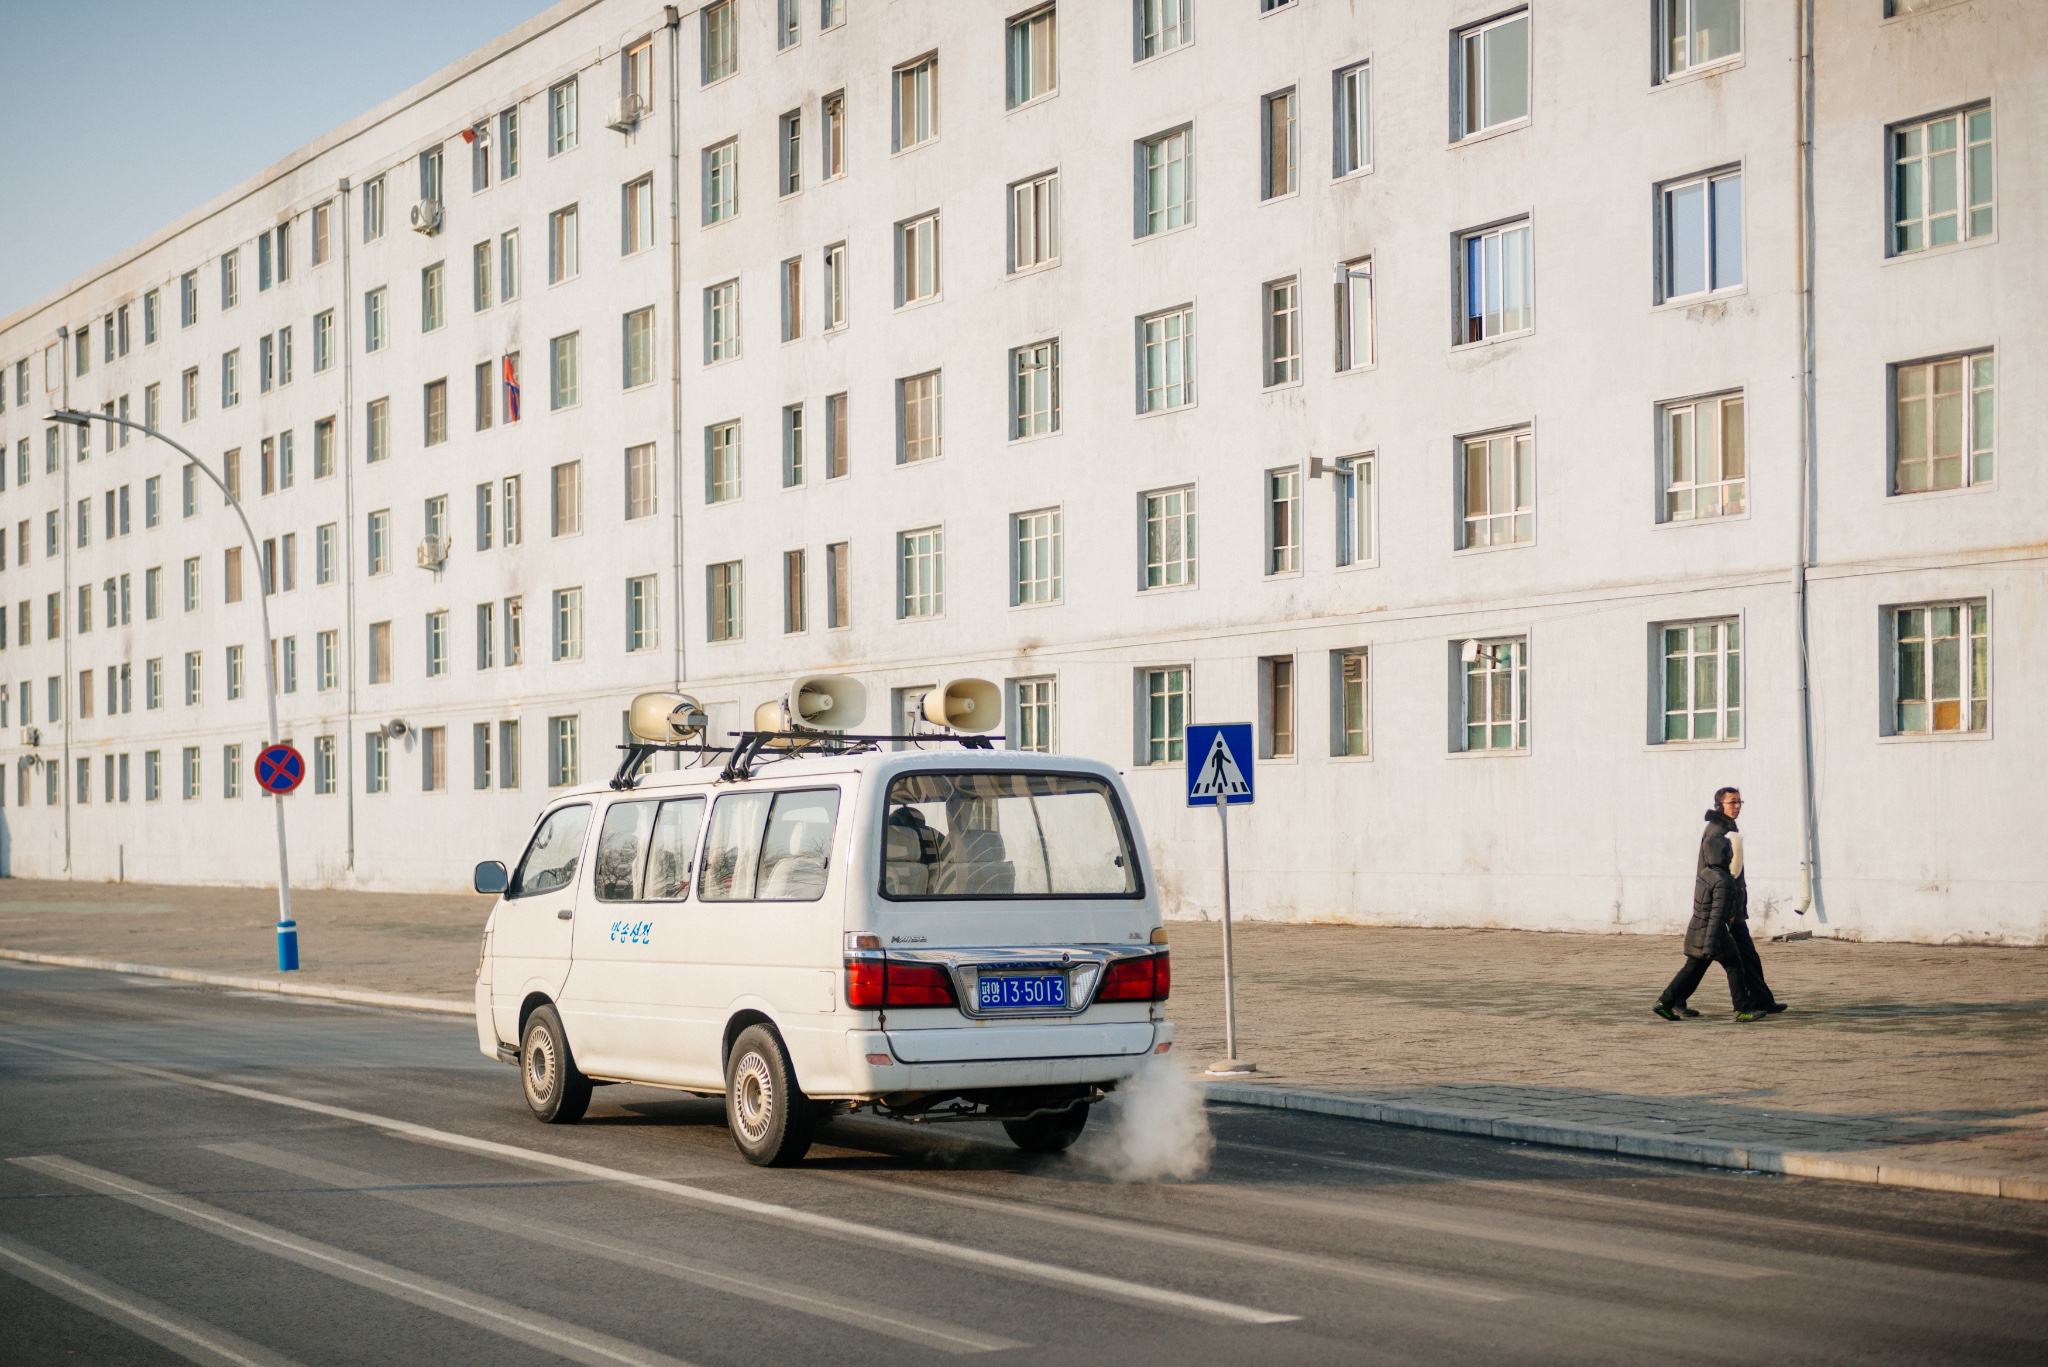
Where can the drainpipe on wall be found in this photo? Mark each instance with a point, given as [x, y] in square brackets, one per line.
[65, 535]
[347, 457]
[1809, 852]
[675, 312]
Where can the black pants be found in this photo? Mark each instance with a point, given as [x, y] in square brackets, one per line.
[1688, 979]
[1745, 948]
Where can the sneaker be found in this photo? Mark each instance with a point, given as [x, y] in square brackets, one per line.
[1688, 1012]
[1665, 1011]
[1774, 1008]
[1751, 1016]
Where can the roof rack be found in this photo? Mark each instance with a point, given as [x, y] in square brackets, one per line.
[756, 746]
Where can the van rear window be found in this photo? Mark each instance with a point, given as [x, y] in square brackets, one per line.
[989, 836]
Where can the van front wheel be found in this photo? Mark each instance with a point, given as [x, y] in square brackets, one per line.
[772, 1121]
[1053, 1133]
[556, 1090]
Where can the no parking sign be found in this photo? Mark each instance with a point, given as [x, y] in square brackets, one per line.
[279, 769]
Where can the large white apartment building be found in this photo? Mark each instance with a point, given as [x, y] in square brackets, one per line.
[1532, 416]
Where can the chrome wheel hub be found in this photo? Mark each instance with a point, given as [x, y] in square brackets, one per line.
[753, 1097]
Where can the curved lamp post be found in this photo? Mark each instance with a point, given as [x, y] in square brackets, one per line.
[287, 928]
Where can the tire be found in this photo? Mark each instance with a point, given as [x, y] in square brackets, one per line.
[556, 1090]
[771, 1120]
[1053, 1133]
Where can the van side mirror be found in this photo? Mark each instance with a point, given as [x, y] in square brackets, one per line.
[490, 878]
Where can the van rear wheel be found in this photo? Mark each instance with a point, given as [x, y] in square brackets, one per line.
[1053, 1133]
[771, 1119]
[556, 1090]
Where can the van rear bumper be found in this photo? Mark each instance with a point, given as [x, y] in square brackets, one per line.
[1134, 1043]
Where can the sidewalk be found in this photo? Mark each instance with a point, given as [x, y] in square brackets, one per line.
[1930, 1061]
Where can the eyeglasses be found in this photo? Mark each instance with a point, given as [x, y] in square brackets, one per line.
[1731, 802]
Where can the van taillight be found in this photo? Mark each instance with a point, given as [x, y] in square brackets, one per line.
[872, 983]
[1137, 980]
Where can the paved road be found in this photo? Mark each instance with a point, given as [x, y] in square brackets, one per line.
[187, 1175]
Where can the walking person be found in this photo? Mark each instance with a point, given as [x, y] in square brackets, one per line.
[1720, 901]
[1728, 801]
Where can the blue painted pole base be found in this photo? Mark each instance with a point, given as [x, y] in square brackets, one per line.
[287, 946]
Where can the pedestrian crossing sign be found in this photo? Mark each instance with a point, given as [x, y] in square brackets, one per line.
[1219, 760]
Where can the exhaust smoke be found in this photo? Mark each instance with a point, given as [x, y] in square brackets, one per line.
[1154, 1127]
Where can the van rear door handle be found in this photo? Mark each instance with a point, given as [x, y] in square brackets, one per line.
[564, 914]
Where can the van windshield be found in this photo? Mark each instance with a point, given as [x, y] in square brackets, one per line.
[987, 836]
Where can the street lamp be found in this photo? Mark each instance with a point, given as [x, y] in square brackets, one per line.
[287, 928]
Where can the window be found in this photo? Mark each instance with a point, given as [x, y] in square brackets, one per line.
[722, 320]
[1706, 471]
[121, 314]
[1941, 181]
[1276, 707]
[437, 644]
[724, 590]
[373, 209]
[509, 506]
[152, 685]
[918, 418]
[568, 624]
[325, 770]
[831, 14]
[289, 672]
[1034, 55]
[1037, 715]
[151, 315]
[565, 499]
[1281, 158]
[768, 848]
[793, 471]
[231, 575]
[789, 29]
[564, 375]
[833, 144]
[1500, 490]
[1035, 222]
[636, 72]
[323, 448]
[508, 266]
[792, 299]
[790, 139]
[564, 255]
[1499, 284]
[231, 378]
[917, 259]
[327, 660]
[1166, 182]
[835, 286]
[378, 541]
[1036, 559]
[1283, 332]
[323, 341]
[230, 290]
[1351, 694]
[434, 759]
[192, 681]
[722, 181]
[1941, 667]
[1702, 681]
[152, 593]
[1165, 701]
[1354, 315]
[838, 589]
[188, 310]
[284, 366]
[436, 412]
[640, 484]
[794, 618]
[1164, 25]
[1496, 694]
[324, 560]
[722, 471]
[636, 220]
[152, 414]
[323, 220]
[188, 394]
[1351, 144]
[191, 585]
[1283, 520]
[515, 630]
[482, 283]
[510, 387]
[508, 144]
[486, 635]
[1493, 87]
[376, 431]
[1944, 423]
[638, 348]
[1698, 33]
[1035, 389]
[1167, 354]
[1357, 507]
[1170, 537]
[430, 174]
[433, 296]
[484, 399]
[190, 755]
[916, 103]
[1701, 244]
[373, 320]
[562, 118]
[376, 763]
[921, 573]
[721, 41]
[835, 436]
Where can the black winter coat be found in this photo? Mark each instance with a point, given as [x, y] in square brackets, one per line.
[1718, 896]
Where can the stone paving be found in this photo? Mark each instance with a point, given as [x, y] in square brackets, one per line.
[1927, 1055]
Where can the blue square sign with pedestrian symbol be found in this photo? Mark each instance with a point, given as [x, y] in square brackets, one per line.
[1219, 761]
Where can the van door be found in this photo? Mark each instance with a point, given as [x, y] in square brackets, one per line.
[531, 929]
[633, 941]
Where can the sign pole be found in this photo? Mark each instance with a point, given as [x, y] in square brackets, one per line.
[1219, 760]
[1230, 1061]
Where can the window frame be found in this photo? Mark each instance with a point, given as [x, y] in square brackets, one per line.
[921, 573]
[1970, 360]
[928, 63]
[1018, 27]
[1044, 191]
[1340, 704]
[1349, 115]
[1710, 183]
[1185, 343]
[1463, 130]
[1667, 485]
[1462, 276]
[1026, 531]
[1660, 682]
[1965, 180]
[1661, 42]
[1142, 174]
[1890, 729]
[1186, 522]
[1165, 740]
[1517, 671]
[1513, 433]
[1270, 107]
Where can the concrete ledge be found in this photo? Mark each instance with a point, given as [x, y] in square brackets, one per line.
[1671, 1148]
[318, 991]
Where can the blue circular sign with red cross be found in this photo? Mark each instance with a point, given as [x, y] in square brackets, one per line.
[279, 769]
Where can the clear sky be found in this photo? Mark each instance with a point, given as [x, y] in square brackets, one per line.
[121, 115]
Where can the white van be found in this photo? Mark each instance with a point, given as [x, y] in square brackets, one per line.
[932, 933]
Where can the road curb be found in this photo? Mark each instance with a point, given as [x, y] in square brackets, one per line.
[1671, 1148]
[319, 991]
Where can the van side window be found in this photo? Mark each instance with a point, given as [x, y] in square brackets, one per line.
[674, 846]
[550, 862]
[769, 847]
[620, 843]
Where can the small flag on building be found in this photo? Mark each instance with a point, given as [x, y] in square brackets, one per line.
[511, 391]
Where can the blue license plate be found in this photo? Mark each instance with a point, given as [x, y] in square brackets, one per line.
[1014, 991]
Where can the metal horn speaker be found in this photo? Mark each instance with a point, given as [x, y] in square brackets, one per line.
[965, 705]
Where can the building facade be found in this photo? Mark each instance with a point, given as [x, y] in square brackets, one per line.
[1533, 417]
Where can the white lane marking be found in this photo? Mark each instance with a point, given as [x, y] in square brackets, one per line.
[1114, 1288]
[509, 1321]
[138, 1314]
[1657, 1210]
[897, 1323]
[1430, 1219]
[1206, 1243]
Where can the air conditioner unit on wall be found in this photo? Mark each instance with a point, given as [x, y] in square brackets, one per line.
[627, 112]
[31, 737]
[426, 216]
[433, 552]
